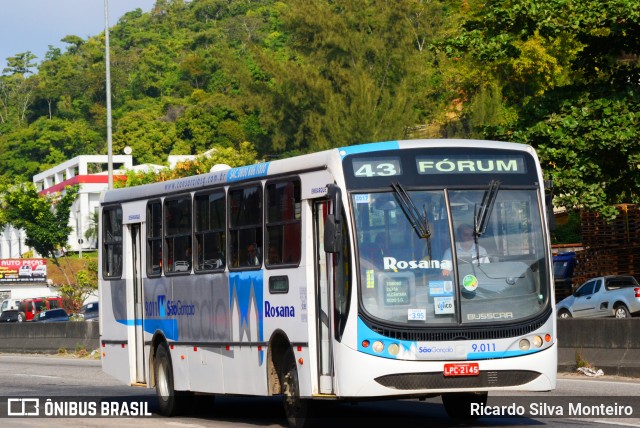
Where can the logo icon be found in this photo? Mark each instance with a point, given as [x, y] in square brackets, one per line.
[162, 305]
[23, 407]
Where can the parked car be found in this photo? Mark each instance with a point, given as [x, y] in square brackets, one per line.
[31, 307]
[25, 271]
[90, 311]
[52, 315]
[11, 315]
[39, 271]
[606, 296]
[9, 304]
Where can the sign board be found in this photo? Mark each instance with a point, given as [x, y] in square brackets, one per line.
[23, 270]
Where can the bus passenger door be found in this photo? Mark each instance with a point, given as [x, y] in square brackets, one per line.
[138, 303]
[323, 300]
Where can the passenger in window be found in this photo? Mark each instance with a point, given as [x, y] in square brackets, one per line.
[274, 256]
[253, 257]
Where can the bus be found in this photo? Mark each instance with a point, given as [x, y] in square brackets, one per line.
[327, 276]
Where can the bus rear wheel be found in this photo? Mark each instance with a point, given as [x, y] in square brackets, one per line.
[170, 401]
[458, 404]
[296, 409]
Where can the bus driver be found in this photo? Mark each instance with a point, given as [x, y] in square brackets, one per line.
[466, 250]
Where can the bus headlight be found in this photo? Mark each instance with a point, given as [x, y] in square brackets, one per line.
[378, 346]
[524, 345]
[537, 341]
[394, 349]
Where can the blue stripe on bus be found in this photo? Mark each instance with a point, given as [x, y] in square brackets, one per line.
[249, 171]
[370, 147]
[168, 326]
[365, 333]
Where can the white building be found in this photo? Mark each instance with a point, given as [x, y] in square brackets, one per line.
[90, 172]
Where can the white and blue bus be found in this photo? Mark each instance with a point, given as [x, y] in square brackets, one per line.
[401, 269]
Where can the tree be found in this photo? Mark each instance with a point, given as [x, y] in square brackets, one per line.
[21, 64]
[45, 219]
[567, 76]
[86, 284]
[91, 234]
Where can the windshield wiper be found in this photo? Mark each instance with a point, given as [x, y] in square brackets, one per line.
[483, 213]
[418, 221]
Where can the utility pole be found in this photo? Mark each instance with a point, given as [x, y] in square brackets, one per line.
[107, 61]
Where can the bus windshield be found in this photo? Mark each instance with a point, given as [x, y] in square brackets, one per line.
[451, 256]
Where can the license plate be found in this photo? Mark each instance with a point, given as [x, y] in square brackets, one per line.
[462, 369]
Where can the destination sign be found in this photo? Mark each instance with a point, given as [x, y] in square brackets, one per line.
[377, 167]
[475, 164]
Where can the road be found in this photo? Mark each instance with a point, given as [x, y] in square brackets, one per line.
[82, 381]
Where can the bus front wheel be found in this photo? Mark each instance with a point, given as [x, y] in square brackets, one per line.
[459, 404]
[296, 409]
[170, 401]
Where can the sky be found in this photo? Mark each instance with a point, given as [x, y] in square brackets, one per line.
[33, 25]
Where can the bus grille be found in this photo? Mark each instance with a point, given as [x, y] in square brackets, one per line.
[486, 379]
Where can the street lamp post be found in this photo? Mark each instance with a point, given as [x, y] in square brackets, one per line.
[108, 89]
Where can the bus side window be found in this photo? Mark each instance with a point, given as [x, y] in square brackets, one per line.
[210, 226]
[283, 222]
[245, 224]
[112, 242]
[154, 238]
[177, 235]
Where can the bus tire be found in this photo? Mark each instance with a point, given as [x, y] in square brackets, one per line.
[458, 404]
[170, 401]
[296, 409]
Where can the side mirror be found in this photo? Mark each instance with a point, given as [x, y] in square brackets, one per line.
[548, 196]
[333, 222]
[332, 234]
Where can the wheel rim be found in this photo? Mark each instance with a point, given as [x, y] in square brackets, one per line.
[296, 409]
[291, 393]
[621, 313]
[163, 385]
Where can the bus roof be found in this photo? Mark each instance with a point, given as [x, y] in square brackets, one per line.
[318, 160]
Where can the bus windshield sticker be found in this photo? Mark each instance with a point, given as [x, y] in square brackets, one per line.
[440, 288]
[416, 314]
[466, 164]
[470, 283]
[396, 291]
[443, 305]
[371, 282]
[362, 199]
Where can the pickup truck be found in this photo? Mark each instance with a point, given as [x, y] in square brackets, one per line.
[606, 296]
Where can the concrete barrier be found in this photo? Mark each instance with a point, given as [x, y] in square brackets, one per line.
[610, 344]
[49, 338]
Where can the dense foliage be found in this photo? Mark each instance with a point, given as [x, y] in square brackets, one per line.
[292, 76]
